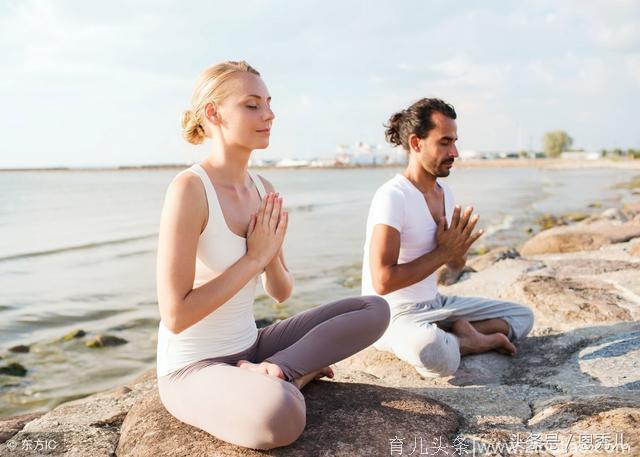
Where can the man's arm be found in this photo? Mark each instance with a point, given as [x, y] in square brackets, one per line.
[452, 244]
[386, 274]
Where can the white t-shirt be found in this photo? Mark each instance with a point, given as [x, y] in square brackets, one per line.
[399, 204]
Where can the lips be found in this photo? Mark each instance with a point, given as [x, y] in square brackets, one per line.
[264, 131]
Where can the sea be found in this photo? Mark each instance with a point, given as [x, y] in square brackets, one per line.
[78, 251]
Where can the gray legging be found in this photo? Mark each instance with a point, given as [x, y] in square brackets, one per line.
[260, 411]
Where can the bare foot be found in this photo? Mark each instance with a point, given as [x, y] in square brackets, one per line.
[321, 373]
[264, 367]
[474, 342]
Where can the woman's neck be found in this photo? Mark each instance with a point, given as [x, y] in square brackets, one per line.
[229, 163]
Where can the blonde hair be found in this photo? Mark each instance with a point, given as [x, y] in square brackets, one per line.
[209, 88]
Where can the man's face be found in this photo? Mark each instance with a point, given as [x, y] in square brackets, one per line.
[438, 150]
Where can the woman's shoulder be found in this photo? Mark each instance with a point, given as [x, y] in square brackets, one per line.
[268, 187]
[186, 187]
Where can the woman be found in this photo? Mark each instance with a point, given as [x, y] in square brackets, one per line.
[221, 227]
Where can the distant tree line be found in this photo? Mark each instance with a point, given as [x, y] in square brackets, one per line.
[557, 141]
[617, 152]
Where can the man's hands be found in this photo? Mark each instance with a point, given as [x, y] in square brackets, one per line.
[456, 240]
[267, 229]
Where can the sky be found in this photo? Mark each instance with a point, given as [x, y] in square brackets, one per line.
[88, 83]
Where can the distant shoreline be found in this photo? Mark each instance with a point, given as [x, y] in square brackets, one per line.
[561, 164]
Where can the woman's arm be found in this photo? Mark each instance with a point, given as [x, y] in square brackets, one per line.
[184, 216]
[276, 279]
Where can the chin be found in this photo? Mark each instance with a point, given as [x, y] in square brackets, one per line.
[444, 174]
[261, 144]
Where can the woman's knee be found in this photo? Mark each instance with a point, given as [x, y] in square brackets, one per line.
[380, 313]
[280, 422]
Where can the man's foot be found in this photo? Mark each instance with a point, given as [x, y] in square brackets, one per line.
[264, 367]
[304, 380]
[474, 342]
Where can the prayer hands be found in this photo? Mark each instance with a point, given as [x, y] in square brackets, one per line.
[267, 229]
[457, 239]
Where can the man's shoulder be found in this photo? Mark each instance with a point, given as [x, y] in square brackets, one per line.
[393, 186]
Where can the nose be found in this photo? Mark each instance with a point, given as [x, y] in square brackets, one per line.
[269, 114]
[454, 151]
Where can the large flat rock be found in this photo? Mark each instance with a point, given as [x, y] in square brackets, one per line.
[343, 419]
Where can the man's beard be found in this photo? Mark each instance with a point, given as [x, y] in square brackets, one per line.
[442, 171]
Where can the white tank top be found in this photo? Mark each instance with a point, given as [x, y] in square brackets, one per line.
[230, 328]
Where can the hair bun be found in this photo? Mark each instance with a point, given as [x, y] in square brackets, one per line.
[192, 130]
[392, 132]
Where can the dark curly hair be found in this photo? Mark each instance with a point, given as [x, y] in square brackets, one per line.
[417, 120]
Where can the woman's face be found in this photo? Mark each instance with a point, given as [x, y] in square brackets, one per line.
[245, 115]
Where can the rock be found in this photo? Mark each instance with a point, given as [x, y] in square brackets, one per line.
[613, 214]
[446, 276]
[383, 414]
[265, 322]
[631, 210]
[546, 221]
[21, 348]
[90, 426]
[495, 255]
[77, 333]
[635, 249]
[580, 237]
[587, 267]
[575, 216]
[568, 302]
[614, 361]
[13, 369]
[9, 427]
[100, 341]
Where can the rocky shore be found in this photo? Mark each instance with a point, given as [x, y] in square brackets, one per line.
[573, 388]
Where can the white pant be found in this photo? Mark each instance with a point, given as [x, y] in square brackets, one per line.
[414, 337]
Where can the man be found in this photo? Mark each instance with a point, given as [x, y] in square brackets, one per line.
[413, 229]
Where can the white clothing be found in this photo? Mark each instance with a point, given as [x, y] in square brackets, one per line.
[231, 328]
[399, 204]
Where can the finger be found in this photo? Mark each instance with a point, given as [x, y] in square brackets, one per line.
[475, 237]
[282, 225]
[275, 213]
[442, 223]
[464, 220]
[252, 225]
[455, 219]
[263, 205]
[471, 225]
[268, 209]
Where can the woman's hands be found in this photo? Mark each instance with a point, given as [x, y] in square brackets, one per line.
[267, 229]
[456, 240]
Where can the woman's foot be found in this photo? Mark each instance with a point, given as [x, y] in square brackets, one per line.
[270, 369]
[473, 342]
[304, 380]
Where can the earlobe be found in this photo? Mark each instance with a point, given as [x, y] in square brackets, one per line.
[211, 113]
[414, 143]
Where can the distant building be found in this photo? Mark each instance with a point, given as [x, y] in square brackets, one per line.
[470, 154]
[292, 163]
[580, 155]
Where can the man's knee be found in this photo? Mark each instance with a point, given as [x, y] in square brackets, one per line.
[522, 324]
[432, 349]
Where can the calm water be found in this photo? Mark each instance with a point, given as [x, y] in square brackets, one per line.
[77, 250]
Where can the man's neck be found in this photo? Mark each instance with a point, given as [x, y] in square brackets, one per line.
[421, 179]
